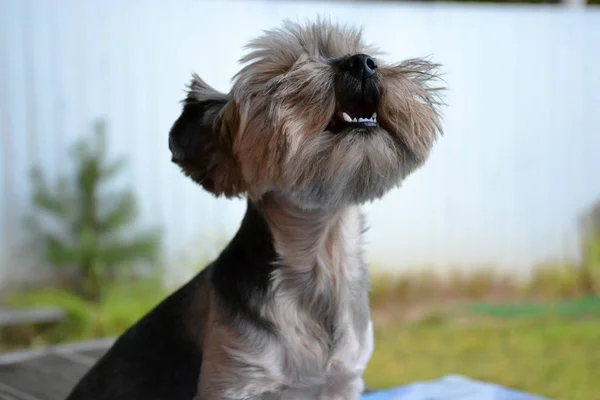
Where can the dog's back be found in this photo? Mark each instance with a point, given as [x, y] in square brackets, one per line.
[157, 358]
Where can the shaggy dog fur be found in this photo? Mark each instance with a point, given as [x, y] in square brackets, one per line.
[315, 125]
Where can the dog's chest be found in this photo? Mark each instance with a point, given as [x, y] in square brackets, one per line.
[310, 355]
[322, 322]
[319, 342]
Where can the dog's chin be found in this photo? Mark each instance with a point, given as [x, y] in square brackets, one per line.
[362, 164]
[318, 197]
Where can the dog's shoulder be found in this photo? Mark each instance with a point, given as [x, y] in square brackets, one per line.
[159, 357]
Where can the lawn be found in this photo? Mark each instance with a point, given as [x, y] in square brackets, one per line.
[555, 358]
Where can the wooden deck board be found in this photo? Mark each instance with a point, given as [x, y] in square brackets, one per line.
[47, 374]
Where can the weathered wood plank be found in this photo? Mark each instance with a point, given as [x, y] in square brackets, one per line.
[8, 393]
[47, 378]
[47, 374]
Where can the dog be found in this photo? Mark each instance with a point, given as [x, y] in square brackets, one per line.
[314, 126]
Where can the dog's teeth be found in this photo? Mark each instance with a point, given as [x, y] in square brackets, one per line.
[354, 120]
[346, 117]
[362, 120]
[374, 116]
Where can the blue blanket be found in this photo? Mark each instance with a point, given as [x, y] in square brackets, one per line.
[452, 387]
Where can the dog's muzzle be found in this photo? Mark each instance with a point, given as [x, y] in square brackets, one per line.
[358, 92]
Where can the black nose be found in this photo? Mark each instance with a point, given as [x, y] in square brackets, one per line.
[360, 65]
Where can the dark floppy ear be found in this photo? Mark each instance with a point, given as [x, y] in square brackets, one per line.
[201, 140]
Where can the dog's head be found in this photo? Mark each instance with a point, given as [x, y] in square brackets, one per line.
[314, 115]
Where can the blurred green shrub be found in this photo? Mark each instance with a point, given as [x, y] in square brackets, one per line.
[86, 229]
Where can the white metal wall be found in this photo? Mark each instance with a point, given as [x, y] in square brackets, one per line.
[519, 161]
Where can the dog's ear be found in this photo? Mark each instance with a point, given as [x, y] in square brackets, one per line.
[201, 140]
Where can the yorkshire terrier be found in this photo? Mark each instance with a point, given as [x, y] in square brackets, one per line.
[315, 125]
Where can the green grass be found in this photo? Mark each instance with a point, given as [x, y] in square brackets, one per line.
[557, 358]
[120, 306]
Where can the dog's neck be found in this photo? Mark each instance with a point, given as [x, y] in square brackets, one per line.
[307, 259]
[319, 257]
[303, 238]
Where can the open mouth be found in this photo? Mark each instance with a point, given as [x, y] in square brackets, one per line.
[356, 118]
[372, 121]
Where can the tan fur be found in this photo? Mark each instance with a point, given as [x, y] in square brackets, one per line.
[269, 139]
[280, 105]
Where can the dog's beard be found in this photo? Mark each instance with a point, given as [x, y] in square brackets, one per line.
[336, 170]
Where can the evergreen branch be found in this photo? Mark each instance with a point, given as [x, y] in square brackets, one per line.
[122, 212]
[89, 222]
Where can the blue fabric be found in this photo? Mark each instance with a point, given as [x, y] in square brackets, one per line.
[452, 387]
